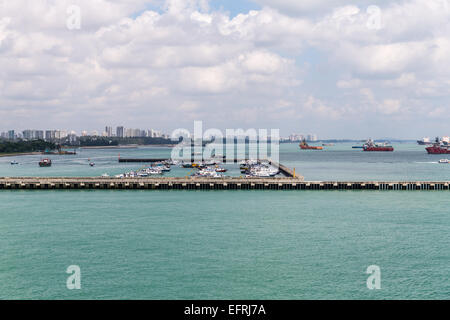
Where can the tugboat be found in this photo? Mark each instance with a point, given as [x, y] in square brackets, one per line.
[437, 148]
[372, 146]
[304, 146]
[45, 163]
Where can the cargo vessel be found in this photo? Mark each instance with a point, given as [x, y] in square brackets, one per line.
[306, 146]
[372, 146]
[424, 142]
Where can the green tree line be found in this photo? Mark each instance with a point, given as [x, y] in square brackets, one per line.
[25, 146]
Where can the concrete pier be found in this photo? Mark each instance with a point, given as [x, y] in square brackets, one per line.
[37, 183]
[283, 169]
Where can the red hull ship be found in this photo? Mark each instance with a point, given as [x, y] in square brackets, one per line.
[438, 150]
[371, 146]
[385, 149]
[45, 163]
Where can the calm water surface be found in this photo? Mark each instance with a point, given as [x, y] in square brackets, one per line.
[224, 244]
[229, 244]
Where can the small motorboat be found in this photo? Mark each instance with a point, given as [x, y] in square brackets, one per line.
[187, 165]
[220, 169]
[45, 163]
[153, 171]
[444, 161]
[142, 174]
[92, 164]
[105, 175]
[14, 162]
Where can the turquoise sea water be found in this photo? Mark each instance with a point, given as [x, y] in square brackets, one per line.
[224, 244]
[229, 244]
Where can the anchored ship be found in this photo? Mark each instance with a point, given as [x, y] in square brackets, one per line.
[424, 142]
[305, 146]
[438, 148]
[372, 146]
[45, 163]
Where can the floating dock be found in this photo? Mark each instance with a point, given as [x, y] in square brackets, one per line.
[35, 183]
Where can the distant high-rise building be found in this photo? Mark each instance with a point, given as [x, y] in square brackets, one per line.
[49, 135]
[72, 137]
[33, 134]
[295, 137]
[108, 131]
[134, 133]
[60, 134]
[120, 131]
[84, 133]
[95, 133]
[312, 137]
[27, 134]
[11, 135]
[156, 134]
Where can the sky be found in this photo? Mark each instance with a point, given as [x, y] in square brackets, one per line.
[340, 69]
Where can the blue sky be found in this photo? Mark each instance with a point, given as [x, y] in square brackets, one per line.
[234, 7]
[340, 69]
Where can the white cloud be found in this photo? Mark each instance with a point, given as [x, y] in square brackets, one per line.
[348, 84]
[404, 80]
[317, 57]
[390, 106]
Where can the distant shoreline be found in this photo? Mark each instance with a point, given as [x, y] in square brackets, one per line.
[18, 154]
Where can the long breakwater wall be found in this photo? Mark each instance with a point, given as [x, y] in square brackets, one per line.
[37, 183]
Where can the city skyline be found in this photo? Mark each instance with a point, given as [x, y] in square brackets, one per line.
[124, 132]
[341, 69]
[46, 134]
